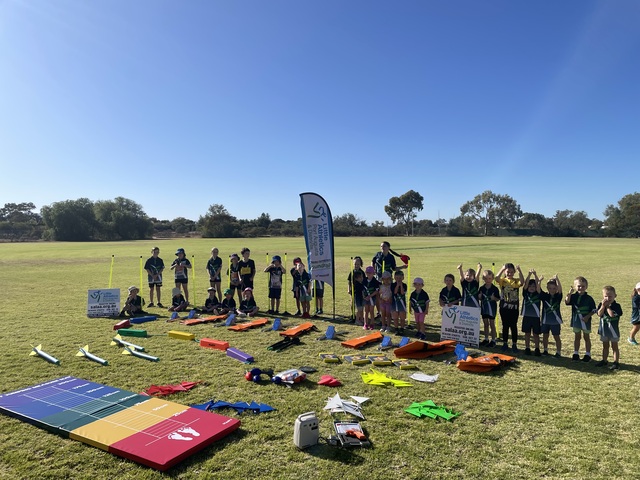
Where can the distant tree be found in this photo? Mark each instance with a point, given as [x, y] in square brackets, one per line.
[19, 213]
[490, 210]
[462, 225]
[349, 225]
[623, 220]
[122, 219]
[264, 220]
[70, 220]
[572, 224]
[403, 210]
[218, 223]
[183, 225]
[536, 224]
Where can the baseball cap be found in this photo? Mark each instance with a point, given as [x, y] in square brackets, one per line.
[276, 258]
[180, 250]
[418, 280]
[369, 269]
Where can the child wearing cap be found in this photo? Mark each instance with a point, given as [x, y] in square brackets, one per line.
[304, 289]
[385, 294]
[420, 303]
[180, 267]
[214, 267]
[178, 302]
[133, 304]
[248, 304]
[235, 284]
[635, 315]
[211, 304]
[371, 288]
[228, 304]
[399, 303]
[275, 271]
[154, 267]
[295, 284]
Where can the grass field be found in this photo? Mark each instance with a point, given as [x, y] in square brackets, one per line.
[544, 418]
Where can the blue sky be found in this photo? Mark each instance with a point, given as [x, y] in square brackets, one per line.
[180, 105]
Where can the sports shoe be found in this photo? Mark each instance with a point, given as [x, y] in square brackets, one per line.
[270, 312]
[319, 312]
[160, 305]
[505, 347]
[151, 305]
[400, 331]
[632, 341]
[545, 353]
[575, 357]
[527, 351]
[514, 347]
[614, 366]
[298, 313]
[364, 327]
[586, 358]
[601, 363]
[557, 355]
[491, 344]
[537, 353]
[484, 342]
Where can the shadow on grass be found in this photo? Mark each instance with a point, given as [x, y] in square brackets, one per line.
[336, 454]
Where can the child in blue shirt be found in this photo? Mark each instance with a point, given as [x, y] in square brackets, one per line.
[582, 309]
[551, 314]
[489, 295]
[609, 312]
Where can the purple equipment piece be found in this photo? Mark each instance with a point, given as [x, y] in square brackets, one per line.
[239, 355]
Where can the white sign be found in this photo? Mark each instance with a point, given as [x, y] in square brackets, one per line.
[103, 303]
[318, 236]
[461, 324]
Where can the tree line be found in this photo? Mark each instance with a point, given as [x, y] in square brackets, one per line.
[488, 213]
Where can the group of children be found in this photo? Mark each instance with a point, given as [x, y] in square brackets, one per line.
[540, 310]
[241, 273]
[380, 290]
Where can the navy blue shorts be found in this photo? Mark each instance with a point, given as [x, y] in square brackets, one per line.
[275, 293]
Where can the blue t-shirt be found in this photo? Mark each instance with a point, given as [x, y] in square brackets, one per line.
[530, 304]
[551, 314]
[419, 301]
[470, 293]
[489, 307]
[450, 296]
[635, 309]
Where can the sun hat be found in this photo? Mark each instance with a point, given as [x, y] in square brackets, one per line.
[132, 288]
[248, 289]
[211, 289]
[276, 258]
[369, 269]
[175, 291]
[418, 280]
[227, 291]
[386, 274]
[180, 250]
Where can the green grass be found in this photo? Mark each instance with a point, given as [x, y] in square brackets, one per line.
[544, 418]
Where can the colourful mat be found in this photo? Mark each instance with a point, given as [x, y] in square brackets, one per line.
[150, 431]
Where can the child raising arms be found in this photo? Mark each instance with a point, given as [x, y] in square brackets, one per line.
[609, 312]
[489, 296]
[509, 302]
[469, 286]
[551, 315]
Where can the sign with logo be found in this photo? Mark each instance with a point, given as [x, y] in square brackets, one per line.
[318, 236]
[103, 303]
[461, 324]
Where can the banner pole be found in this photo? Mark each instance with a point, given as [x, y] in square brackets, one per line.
[193, 262]
[111, 269]
[286, 292]
[140, 272]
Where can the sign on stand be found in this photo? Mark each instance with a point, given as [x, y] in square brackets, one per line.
[461, 324]
[103, 303]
